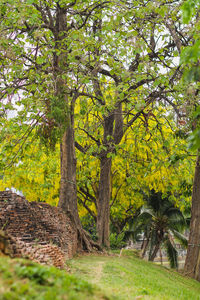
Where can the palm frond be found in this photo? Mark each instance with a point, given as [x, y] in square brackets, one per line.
[172, 253]
[166, 206]
[154, 200]
[134, 235]
[181, 238]
[138, 227]
[176, 219]
[188, 220]
[145, 210]
[144, 218]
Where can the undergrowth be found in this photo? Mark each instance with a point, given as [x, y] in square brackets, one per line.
[26, 280]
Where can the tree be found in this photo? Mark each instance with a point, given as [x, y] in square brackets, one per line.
[55, 54]
[151, 155]
[38, 49]
[130, 74]
[190, 59]
[161, 224]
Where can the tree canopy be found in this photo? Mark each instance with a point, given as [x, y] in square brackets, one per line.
[98, 99]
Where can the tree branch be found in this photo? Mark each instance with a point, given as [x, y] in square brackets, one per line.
[88, 209]
[119, 187]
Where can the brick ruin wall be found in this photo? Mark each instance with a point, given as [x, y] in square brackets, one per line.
[37, 222]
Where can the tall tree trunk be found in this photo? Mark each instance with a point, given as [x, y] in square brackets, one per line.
[192, 262]
[103, 205]
[113, 127]
[68, 189]
[68, 193]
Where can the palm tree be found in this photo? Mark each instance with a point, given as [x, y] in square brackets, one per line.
[160, 223]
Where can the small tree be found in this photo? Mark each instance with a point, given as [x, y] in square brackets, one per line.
[161, 223]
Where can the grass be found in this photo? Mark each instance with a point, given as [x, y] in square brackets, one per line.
[94, 277]
[129, 277]
[25, 280]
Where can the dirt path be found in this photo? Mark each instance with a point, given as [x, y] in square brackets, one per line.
[98, 272]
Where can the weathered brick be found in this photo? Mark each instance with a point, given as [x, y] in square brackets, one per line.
[39, 223]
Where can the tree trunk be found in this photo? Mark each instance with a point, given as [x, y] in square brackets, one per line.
[156, 249]
[144, 247]
[66, 103]
[68, 193]
[68, 189]
[161, 258]
[160, 236]
[192, 262]
[103, 205]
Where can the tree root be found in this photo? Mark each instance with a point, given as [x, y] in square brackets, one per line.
[85, 241]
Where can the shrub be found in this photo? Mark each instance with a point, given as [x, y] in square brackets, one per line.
[117, 240]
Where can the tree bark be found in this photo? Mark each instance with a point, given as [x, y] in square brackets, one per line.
[103, 205]
[113, 127]
[161, 257]
[155, 251]
[192, 262]
[68, 192]
[160, 236]
[68, 189]
[145, 246]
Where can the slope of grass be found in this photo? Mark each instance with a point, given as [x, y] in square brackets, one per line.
[129, 277]
[25, 280]
[95, 277]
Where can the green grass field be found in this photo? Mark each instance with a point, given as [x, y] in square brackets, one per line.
[25, 280]
[129, 277]
[94, 277]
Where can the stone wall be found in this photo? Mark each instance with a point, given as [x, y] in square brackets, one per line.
[37, 222]
[48, 254]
